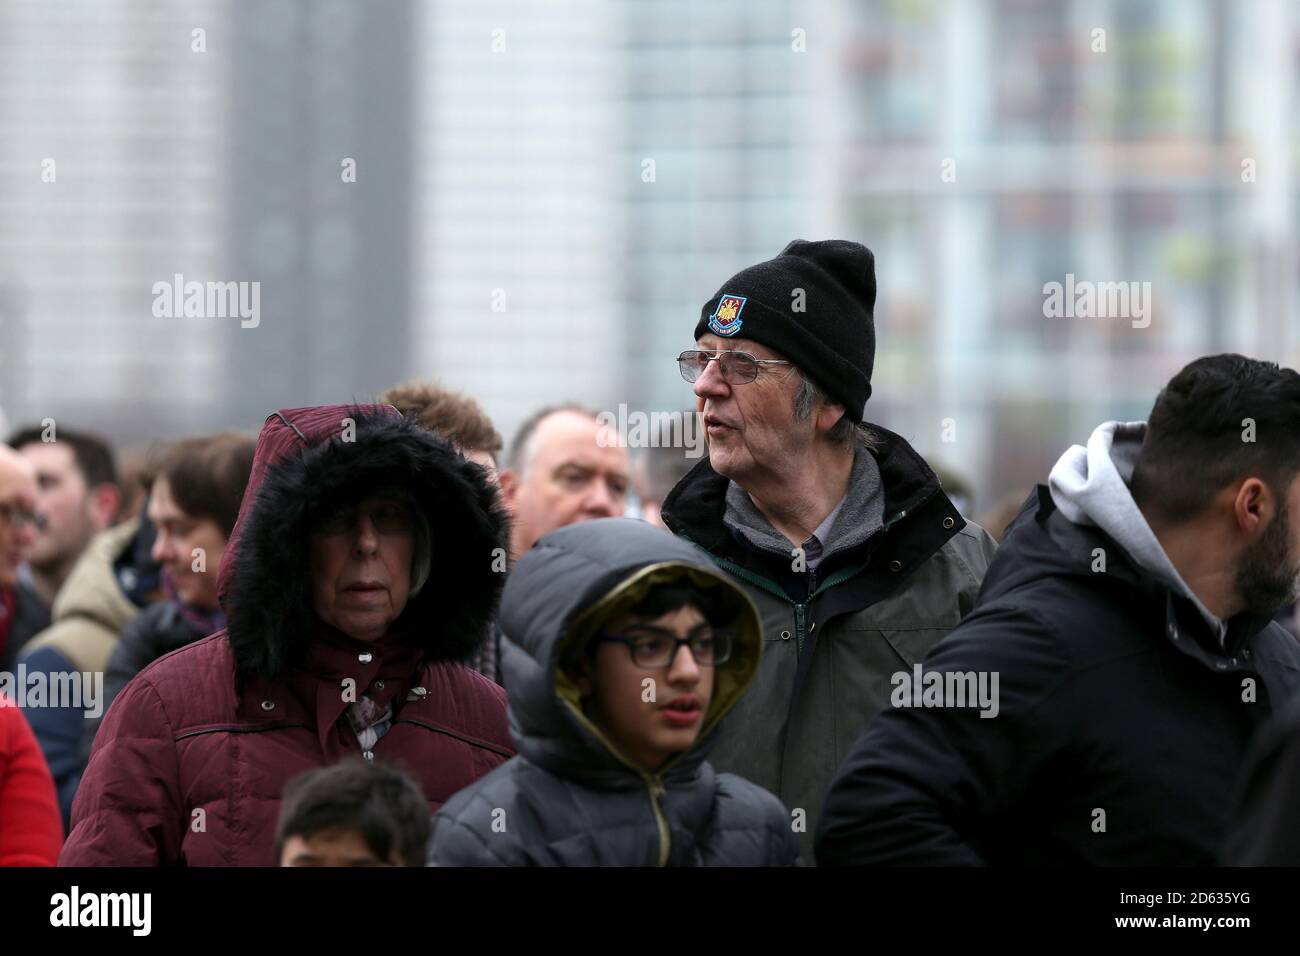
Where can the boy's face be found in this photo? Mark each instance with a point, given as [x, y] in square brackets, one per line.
[333, 847]
[649, 713]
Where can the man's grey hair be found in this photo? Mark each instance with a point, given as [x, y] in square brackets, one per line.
[811, 396]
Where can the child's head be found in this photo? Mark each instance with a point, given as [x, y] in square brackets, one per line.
[354, 813]
[648, 692]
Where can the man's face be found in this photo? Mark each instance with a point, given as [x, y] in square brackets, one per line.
[333, 847]
[361, 564]
[188, 548]
[64, 499]
[567, 477]
[18, 496]
[649, 731]
[1268, 577]
[750, 428]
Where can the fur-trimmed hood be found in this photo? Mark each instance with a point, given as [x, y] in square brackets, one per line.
[308, 459]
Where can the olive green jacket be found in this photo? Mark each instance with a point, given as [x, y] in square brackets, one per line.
[900, 569]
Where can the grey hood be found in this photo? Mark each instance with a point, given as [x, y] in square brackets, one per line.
[1091, 487]
[557, 597]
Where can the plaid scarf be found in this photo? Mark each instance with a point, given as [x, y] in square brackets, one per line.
[368, 722]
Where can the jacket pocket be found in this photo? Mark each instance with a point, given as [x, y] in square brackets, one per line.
[912, 645]
[866, 660]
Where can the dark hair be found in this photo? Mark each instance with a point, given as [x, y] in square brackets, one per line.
[383, 805]
[207, 475]
[519, 447]
[93, 456]
[1196, 442]
[665, 598]
[456, 417]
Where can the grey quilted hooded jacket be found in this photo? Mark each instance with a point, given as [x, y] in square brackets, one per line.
[569, 798]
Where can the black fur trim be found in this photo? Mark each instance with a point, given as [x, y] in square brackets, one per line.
[268, 601]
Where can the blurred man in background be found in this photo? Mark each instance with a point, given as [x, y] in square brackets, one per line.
[114, 578]
[456, 417]
[22, 614]
[658, 469]
[134, 476]
[564, 467]
[77, 495]
[462, 421]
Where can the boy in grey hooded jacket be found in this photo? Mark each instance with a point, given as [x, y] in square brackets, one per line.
[584, 790]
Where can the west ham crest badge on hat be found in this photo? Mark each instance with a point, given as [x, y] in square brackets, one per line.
[725, 319]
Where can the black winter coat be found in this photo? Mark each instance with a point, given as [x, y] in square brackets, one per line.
[1265, 827]
[1121, 726]
[159, 629]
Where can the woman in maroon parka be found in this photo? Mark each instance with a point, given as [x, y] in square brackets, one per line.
[363, 568]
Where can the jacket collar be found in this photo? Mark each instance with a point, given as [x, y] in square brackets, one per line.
[862, 507]
[918, 518]
[1076, 549]
[336, 671]
[1091, 487]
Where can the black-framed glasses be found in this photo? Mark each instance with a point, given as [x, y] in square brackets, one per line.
[738, 368]
[654, 647]
[12, 516]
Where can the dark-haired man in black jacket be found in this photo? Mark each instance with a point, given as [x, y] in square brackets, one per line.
[1126, 618]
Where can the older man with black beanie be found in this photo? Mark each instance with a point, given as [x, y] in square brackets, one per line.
[837, 529]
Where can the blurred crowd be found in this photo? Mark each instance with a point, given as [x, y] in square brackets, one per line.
[376, 634]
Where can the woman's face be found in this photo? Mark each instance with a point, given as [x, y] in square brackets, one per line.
[361, 564]
[188, 548]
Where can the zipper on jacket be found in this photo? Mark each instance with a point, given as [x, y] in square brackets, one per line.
[653, 782]
[656, 791]
[758, 580]
[800, 624]
[800, 609]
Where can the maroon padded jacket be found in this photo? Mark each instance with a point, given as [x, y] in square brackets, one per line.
[192, 757]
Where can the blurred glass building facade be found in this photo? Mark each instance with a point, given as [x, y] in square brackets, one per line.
[547, 192]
